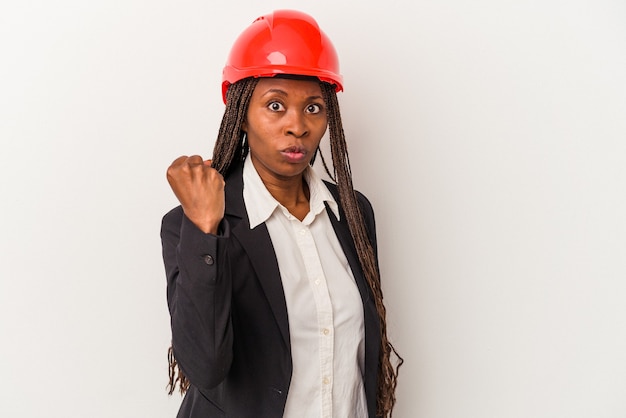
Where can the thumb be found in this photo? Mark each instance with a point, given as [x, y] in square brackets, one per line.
[207, 162]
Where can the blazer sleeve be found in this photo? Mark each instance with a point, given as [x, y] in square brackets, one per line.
[199, 298]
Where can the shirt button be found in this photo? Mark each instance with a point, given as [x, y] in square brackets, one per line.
[209, 260]
[325, 331]
[326, 381]
[302, 231]
[317, 281]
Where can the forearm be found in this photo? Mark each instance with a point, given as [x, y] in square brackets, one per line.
[199, 299]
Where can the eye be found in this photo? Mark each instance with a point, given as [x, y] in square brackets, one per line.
[275, 106]
[313, 108]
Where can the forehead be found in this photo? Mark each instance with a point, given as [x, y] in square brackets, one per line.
[287, 86]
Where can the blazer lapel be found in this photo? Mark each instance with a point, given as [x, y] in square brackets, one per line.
[345, 239]
[258, 246]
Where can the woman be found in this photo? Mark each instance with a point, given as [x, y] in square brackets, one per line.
[273, 285]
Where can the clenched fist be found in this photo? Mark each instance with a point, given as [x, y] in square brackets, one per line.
[200, 190]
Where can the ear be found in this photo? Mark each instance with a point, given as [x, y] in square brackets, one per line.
[244, 126]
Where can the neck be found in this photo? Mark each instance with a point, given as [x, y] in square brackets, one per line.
[291, 192]
[294, 196]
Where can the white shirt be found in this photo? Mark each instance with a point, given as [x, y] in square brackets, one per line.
[323, 303]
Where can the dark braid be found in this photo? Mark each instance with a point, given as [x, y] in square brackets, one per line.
[230, 148]
[176, 374]
[229, 141]
[387, 374]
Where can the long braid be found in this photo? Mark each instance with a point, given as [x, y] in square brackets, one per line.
[388, 375]
[229, 141]
[228, 146]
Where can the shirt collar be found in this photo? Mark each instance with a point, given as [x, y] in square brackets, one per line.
[260, 204]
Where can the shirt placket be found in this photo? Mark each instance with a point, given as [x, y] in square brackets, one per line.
[317, 281]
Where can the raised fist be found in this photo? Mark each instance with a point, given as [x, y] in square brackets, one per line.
[200, 190]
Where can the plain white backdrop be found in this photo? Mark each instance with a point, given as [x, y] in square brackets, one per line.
[489, 135]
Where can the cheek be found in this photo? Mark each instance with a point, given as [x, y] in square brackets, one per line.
[322, 130]
[258, 140]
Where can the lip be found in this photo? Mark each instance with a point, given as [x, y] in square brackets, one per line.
[294, 154]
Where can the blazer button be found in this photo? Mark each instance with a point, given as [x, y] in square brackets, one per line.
[209, 260]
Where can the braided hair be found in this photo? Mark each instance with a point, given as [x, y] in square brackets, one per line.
[230, 148]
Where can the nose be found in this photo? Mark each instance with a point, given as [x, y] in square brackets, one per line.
[296, 124]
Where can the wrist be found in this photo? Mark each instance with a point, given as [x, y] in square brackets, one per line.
[205, 224]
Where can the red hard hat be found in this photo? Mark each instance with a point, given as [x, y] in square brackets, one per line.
[282, 42]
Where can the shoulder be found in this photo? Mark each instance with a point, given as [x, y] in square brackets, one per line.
[362, 200]
[366, 210]
[364, 203]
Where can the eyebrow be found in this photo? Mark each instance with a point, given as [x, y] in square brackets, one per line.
[284, 93]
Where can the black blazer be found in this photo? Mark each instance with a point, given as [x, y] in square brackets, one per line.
[230, 331]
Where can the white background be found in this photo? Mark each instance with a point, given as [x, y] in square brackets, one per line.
[489, 135]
